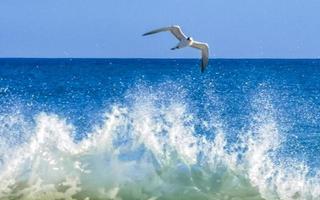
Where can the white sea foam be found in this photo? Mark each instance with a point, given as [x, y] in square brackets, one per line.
[152, 151]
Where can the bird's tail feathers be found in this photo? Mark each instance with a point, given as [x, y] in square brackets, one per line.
[174, 48]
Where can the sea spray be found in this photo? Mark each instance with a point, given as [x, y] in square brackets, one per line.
[147, 151]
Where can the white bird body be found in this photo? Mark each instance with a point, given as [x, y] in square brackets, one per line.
[186, 42]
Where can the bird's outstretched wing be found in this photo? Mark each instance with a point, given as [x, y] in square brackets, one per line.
[175, 30]
[204, 47]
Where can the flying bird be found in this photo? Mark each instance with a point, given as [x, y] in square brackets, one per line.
[185, 41]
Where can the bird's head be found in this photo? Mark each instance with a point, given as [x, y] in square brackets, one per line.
[190, 39]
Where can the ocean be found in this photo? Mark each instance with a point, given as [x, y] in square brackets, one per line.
[159, 129]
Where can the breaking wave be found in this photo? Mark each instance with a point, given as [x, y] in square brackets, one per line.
[150, 149]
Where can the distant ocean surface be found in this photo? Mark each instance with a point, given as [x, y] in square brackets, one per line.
[159, 129]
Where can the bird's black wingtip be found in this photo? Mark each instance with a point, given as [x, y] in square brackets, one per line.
[202, 67]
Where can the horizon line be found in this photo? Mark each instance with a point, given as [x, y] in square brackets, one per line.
[170, 58]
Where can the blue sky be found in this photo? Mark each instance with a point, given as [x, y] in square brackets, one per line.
[113, 28]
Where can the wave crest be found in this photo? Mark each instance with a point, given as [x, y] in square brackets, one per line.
[152, 151]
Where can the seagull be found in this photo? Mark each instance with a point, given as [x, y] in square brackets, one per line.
[185, 41]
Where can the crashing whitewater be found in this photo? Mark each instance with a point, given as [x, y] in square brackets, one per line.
[150, 150]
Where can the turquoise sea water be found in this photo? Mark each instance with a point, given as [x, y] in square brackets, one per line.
[159, 129]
